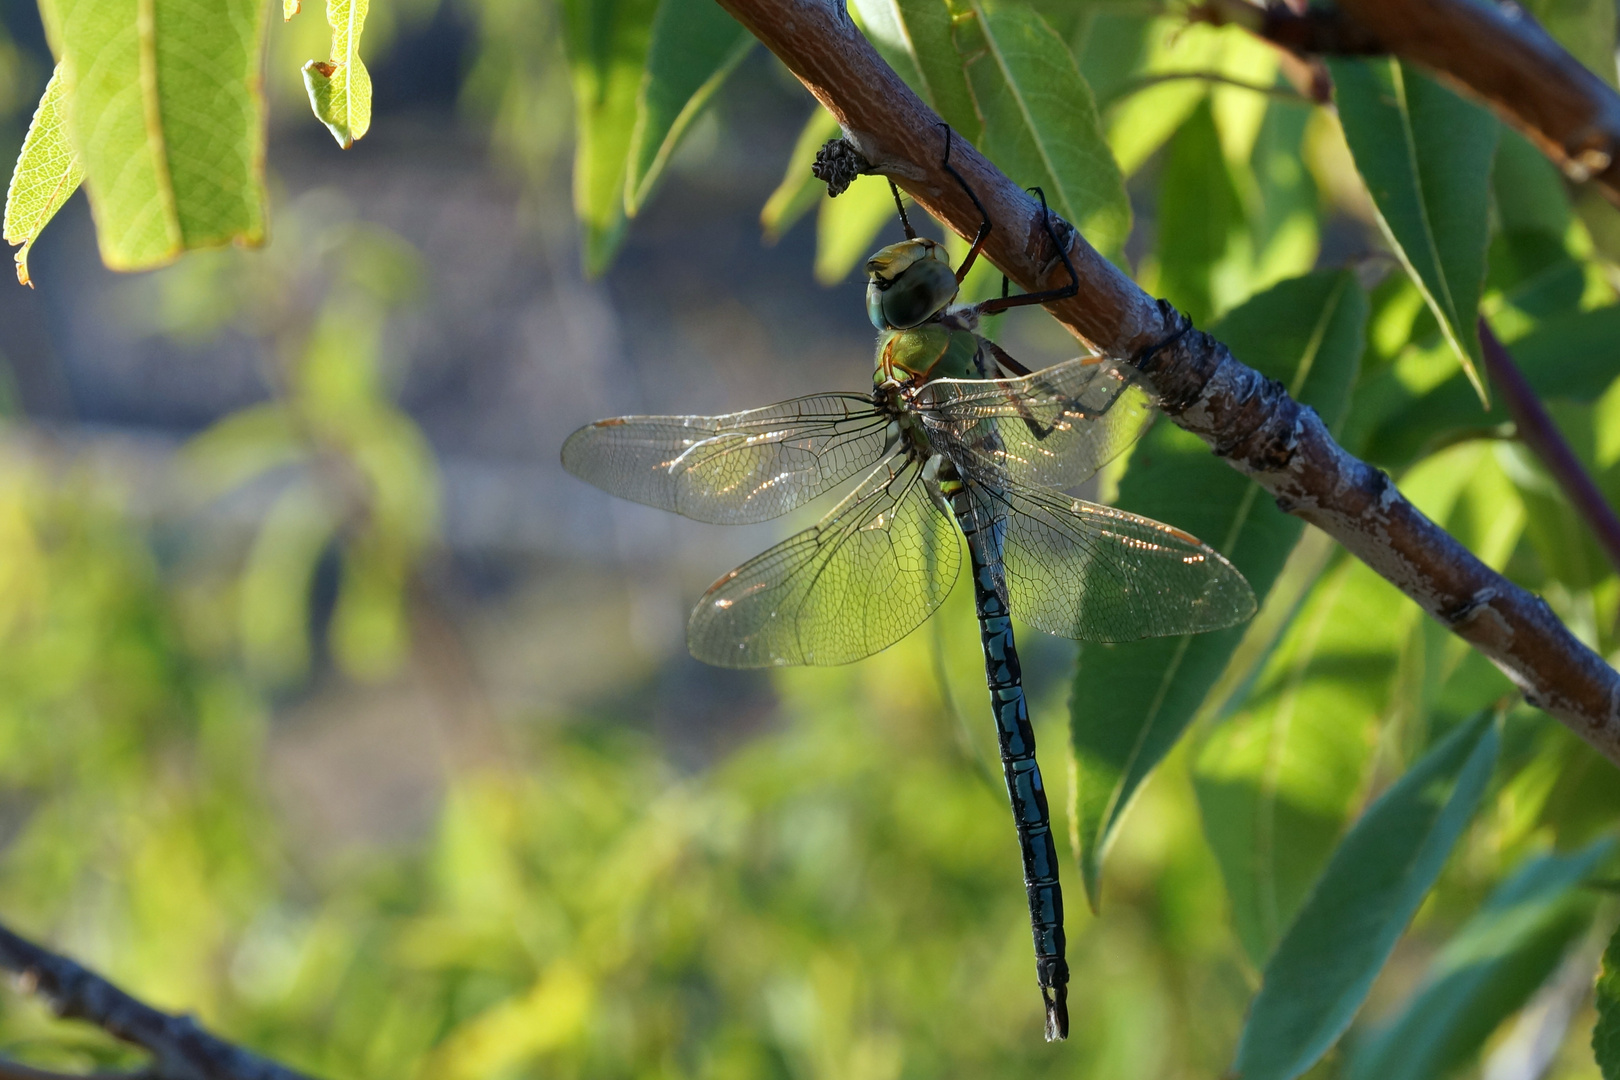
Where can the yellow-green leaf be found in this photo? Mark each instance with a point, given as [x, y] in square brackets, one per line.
[167, 116]
[340, 88]
[799, 188]
[47, 172]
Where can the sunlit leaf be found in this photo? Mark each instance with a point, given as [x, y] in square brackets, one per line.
[695, 46]
[1132, 701]
[168, 118]
[340, 87]
[1585, 27]
[1487, 971]
[607, 52]
[1040, 123]
[848, 226]
[799, 189]
[1425, 155]
[1324, 965]
[1606, 1034]
[47, 172]
[1199, 216]
[915, 37]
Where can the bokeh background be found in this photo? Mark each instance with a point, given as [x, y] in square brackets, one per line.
[333, 711]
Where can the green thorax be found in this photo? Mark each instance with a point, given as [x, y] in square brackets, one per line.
[925, 353]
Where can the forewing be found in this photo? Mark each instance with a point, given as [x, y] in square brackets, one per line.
[735, 469]
[1054, 428]
[861, 579]
[1081, 570]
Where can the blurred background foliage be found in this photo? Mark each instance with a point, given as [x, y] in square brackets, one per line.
[331, 711]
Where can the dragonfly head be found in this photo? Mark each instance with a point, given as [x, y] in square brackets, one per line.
[910, 283]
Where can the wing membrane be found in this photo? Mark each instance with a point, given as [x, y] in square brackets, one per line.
[1054, 428]
[1095, 573]
[734, 469]
[861, 579]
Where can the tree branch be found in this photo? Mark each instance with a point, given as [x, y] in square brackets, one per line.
[181, 1049]
[1246, 418]
[1495, 53]
[1538, 432]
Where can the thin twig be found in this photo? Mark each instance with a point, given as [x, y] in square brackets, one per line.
[1495, 53]
[1245, 417]
[181, 1049]
[1538, 432]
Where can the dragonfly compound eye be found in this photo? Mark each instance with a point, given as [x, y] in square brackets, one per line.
[911, 282]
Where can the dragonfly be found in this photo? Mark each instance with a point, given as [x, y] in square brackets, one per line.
[956, 443]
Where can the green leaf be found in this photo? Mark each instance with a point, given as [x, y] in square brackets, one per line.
[168, 119]
[916, 39]
[1425, 155]
[340, 88]
[848, 226]
[1571, 356]
[1606, 1033]
[695, 46]
[607, 53]
[1040, 123]
[47, 172]
[1487, 971]
[1378, 877]
[799, 189]
[1277, 781]
[1585, 27]
[1199, 216]
[1131, 702]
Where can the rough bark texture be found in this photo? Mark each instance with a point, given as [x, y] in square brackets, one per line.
[1246, 418]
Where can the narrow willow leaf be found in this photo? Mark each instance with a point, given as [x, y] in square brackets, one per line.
[1425, 155]
[1040, 123]
[1585, 27]
[607, 53]
[1325, 964]
[340, 88]
[916, 39]
[1200, 216]
[1131, 702]
[695, 46]
[1487, 971]
[1606, 1033]
[848, 225]
[168, 119]
[799, 188]
[1572, 356]
[47, 172]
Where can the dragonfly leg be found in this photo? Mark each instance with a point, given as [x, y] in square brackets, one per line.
[911, 234]
[984, 215]
[996, 307]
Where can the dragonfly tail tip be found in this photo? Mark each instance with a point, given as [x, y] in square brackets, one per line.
[1057, 1013]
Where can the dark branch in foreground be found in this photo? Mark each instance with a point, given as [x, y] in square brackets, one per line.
[1495, 53]
[1541, 435]
[180, 1048]
[1246, 418]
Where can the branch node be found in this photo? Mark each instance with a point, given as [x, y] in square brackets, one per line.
[837, 164]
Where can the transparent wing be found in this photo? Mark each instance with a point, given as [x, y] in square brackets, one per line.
[1081, 570]
[863, 578]
[1054, 428]
[734, 469]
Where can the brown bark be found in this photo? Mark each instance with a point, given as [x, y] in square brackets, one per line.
[1495, 53]
[1246, 418]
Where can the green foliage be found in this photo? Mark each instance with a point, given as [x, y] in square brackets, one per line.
[47, 173]
[1133, 701]
[1324, 965]
[1606, 1035]
[171, 162]
[340, 88]
[1425, 154]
